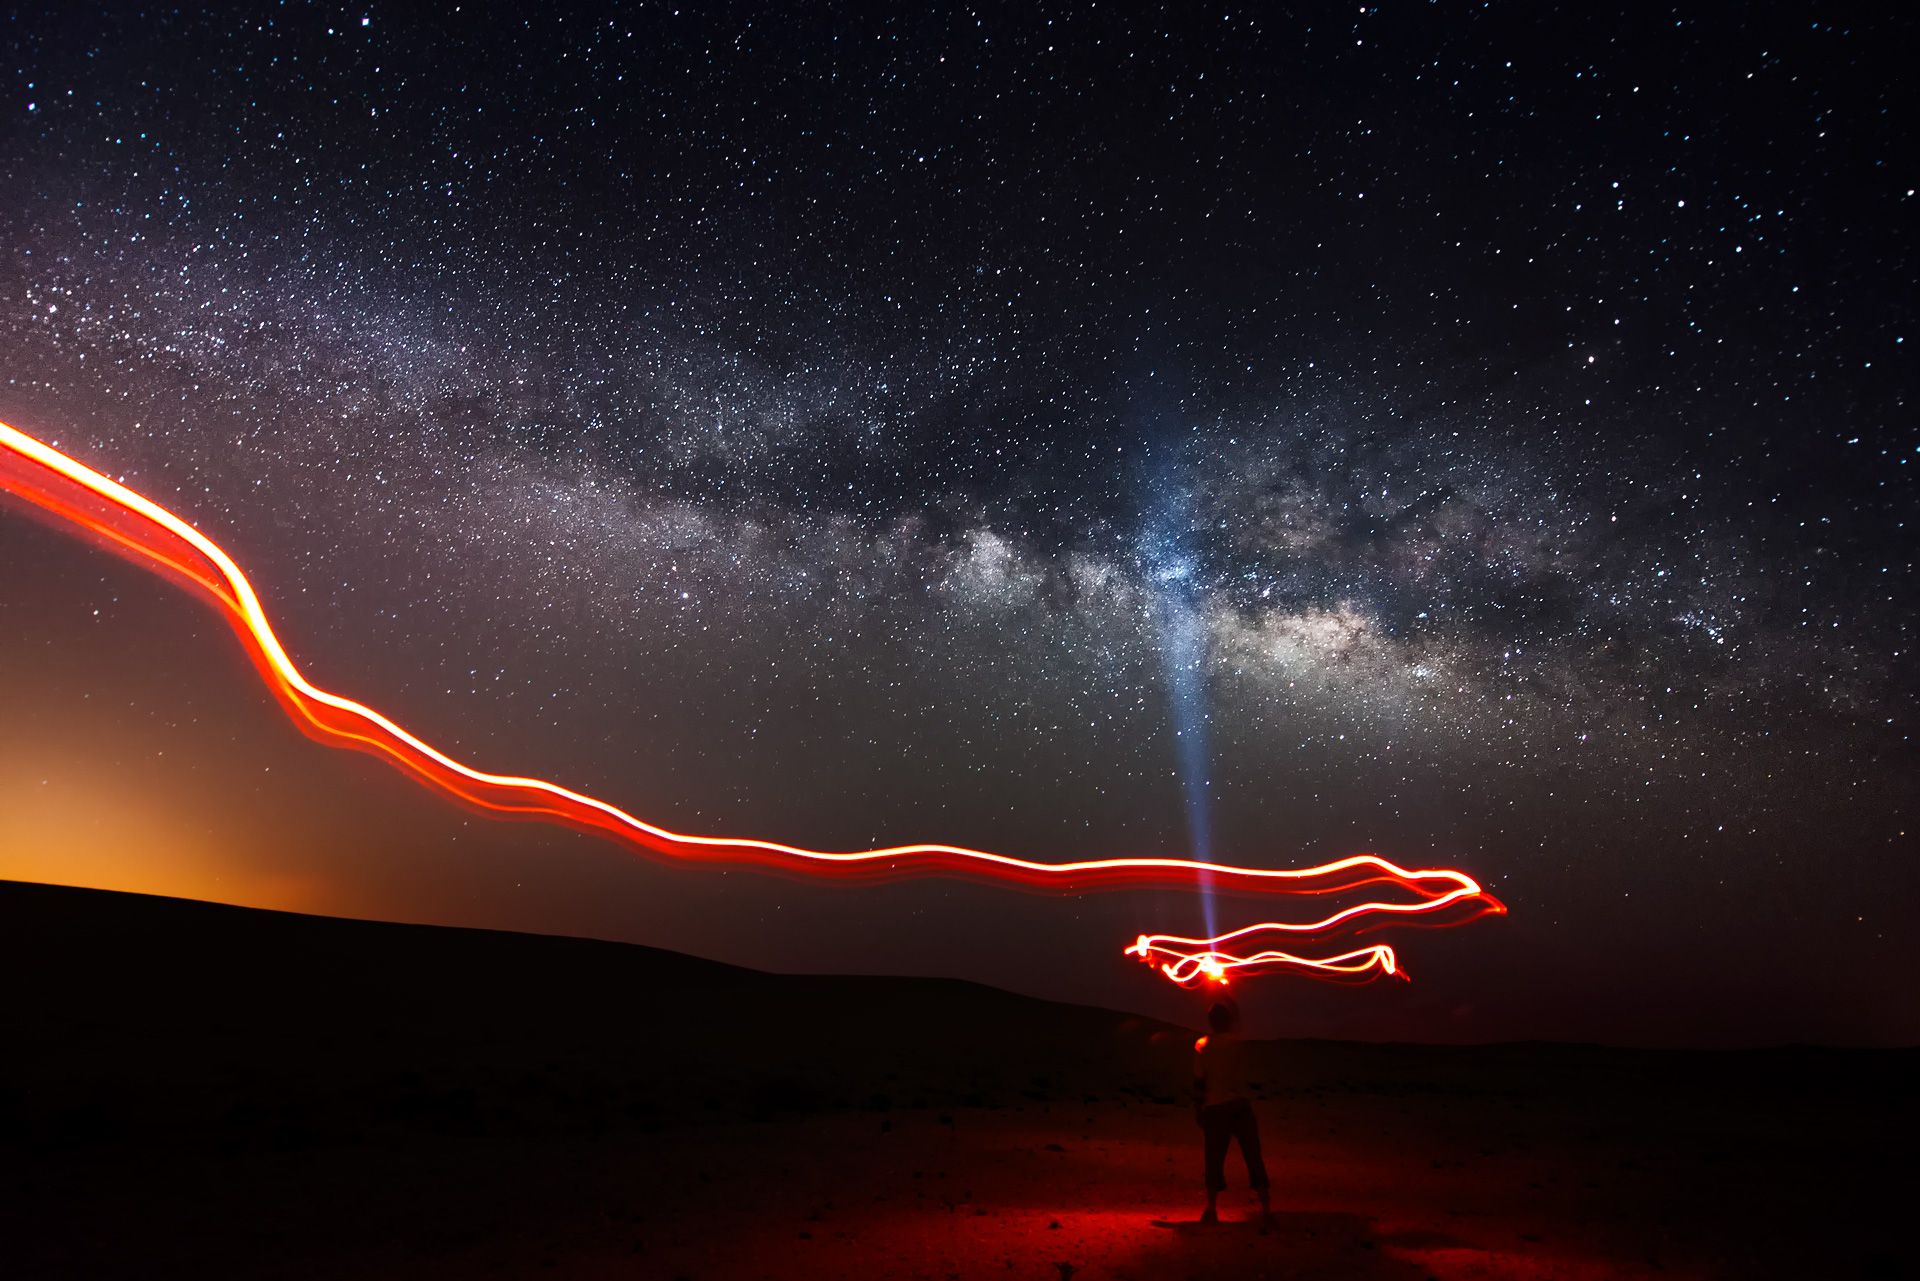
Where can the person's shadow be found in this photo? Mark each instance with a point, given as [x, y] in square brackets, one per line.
[1311, 1242]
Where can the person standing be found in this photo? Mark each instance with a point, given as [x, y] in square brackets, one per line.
[1223, 1106]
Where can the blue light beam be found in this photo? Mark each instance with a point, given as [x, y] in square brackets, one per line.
[1183, 653]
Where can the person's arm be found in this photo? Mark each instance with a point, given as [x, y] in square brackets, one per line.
[1199, 1077]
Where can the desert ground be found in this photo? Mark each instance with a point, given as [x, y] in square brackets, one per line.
[196, 1090]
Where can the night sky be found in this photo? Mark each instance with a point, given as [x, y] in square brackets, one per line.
[1475, 434]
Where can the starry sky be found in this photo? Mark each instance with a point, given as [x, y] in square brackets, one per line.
[1475, 434]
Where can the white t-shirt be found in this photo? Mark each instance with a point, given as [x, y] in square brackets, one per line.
[1221, 1061]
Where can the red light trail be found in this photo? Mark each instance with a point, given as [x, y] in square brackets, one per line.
[142, 531]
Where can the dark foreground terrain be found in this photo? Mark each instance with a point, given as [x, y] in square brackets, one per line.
[195, 1090]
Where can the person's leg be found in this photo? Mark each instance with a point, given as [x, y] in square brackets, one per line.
[1216, 1123]
[1246, 1128]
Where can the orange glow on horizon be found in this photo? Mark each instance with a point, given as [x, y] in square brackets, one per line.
[131, 525]
[65, 821]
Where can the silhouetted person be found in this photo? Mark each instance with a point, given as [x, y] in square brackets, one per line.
[1222, 1106]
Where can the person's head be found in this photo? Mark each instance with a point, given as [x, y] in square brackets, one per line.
[1220, 1018]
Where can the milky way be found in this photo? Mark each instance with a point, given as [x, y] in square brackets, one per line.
[717, 410]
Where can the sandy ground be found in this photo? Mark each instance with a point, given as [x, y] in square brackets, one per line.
[1103, 1194]
[384, 1101]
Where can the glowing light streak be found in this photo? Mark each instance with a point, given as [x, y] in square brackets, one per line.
[155, 538]
[1191, 962]
[1191, 969]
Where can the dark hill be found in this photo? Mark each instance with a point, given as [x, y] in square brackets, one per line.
[135, 1016]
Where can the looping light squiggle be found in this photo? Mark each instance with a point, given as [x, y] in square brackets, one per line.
[1191, 962]
[85, 501]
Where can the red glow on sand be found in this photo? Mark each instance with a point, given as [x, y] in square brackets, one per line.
[156, 539]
